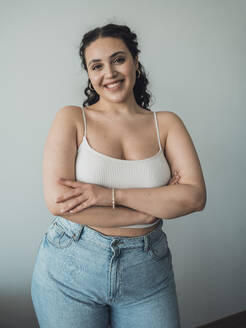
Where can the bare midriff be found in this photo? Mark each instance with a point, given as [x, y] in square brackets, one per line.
[125, 232]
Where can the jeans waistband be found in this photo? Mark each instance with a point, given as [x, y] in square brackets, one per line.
[76, 230]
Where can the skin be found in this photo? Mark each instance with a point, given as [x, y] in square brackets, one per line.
[121, 110]
[102, 201]
[119, 104]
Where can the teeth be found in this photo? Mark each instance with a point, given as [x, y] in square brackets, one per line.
[113, 85]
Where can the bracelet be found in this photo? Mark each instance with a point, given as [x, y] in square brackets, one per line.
[113, 200]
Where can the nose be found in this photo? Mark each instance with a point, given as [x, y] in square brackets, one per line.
[109, 71]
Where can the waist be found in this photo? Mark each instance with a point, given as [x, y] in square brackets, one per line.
[125, 232]
[75, 231]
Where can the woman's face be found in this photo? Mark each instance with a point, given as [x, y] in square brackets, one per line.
[106, 65]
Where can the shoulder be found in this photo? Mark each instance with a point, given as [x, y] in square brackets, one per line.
[69, 110]
[169, 119]
[70, 113]
[169, 116]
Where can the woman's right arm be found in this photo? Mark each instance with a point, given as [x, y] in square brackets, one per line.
[59, 158]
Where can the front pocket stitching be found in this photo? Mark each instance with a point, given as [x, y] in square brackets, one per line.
[152, 253]
[61, 233]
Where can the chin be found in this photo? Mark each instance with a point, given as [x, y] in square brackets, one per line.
[119, 99]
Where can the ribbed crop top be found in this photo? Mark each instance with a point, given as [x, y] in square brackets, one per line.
[95, 167]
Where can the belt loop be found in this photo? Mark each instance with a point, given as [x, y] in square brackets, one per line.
[146, 243]
[77, 234]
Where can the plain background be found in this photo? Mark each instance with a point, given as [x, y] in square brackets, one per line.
[194, 54]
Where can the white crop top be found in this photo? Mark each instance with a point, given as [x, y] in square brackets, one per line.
[98, 168]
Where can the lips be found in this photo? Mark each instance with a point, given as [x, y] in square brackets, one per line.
[112, 83]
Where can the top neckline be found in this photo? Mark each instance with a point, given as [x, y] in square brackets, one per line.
[85, 142]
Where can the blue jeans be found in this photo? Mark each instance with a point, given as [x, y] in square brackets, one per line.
[85, 279]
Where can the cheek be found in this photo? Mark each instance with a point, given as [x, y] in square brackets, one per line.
[130, 70]
[95, 79]
[132, 73]
[132, 76]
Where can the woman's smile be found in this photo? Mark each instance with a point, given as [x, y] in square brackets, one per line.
[114, 86]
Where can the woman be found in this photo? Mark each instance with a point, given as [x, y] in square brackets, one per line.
[105, 258]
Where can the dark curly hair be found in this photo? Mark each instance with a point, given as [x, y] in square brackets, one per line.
[123, 32]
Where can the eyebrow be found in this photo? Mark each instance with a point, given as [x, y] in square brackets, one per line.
[114, 54]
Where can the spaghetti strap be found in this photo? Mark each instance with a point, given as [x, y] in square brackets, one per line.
[84, 119]
[157, 129]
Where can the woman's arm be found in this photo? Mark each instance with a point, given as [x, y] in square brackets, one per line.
[105, 216]
[165, 202]
[59, 157]
[173, 200]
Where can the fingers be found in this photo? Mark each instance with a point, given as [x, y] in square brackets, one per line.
[175, 178]
[79, 208]
[75, 206]
[69, 195]
[69, 183]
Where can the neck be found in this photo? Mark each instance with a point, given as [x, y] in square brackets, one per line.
[126, 108]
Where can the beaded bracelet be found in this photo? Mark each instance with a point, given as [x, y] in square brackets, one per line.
[113, 200]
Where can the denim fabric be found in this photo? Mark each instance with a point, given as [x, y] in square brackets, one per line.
[85, 279]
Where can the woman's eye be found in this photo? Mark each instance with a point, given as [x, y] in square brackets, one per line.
[120, 59]
[117, 59]
[95, 67]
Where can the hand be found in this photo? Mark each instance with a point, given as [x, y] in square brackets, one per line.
[83, 195]
[174, 179]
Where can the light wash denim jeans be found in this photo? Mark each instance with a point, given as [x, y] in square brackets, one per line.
[85, 279]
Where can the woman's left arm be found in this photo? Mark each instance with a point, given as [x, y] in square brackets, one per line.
[171, 201]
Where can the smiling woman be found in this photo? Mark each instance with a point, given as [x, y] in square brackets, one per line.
[113, 149]
[114, 71]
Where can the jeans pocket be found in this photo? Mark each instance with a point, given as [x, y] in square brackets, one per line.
[57, 236]
[159, 249]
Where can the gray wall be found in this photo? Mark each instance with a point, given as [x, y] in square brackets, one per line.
[194, 53]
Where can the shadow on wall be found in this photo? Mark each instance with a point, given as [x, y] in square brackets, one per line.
[17, 311]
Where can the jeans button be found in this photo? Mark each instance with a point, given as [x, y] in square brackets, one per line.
[116, 242]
